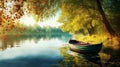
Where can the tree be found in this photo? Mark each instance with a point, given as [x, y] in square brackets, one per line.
[12, 10]
[105, 21]
[80, 16]
[77, 15]
[90, 15]
[111, 9]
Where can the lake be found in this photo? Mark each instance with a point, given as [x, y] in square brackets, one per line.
[50, 51]
[32, 51]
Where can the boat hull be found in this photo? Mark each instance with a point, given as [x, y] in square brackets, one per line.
[86, 48]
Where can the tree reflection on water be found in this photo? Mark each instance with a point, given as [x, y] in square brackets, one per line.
[106, 58]
[13, 40]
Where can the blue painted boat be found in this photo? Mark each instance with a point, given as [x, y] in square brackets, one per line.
[83, 47]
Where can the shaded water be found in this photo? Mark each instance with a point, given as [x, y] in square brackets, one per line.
[51, 51]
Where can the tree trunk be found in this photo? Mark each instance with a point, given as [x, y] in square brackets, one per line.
[104, 19]
[91, 29]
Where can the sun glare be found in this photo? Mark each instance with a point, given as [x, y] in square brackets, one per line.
[27, 20]
[51, 22]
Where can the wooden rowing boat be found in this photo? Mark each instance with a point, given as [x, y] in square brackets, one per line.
[83, 47]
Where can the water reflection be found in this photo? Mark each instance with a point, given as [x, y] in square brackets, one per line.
[92, 57]
[45, 51]
[112, 58]
[32, 51]
[73, 59]
[13, 40]
[107, 57]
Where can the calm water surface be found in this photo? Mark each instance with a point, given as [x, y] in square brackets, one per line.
[32, 51]
[51, 51]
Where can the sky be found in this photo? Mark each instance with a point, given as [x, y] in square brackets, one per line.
[52, 21]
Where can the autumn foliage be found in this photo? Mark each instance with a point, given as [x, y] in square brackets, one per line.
[12, 10]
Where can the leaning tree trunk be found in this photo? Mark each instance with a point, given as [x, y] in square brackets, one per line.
[105, 21]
